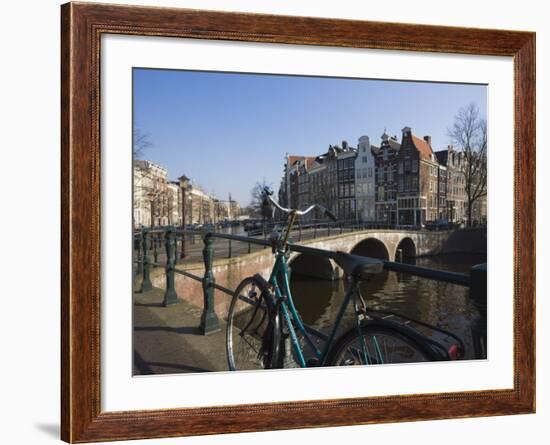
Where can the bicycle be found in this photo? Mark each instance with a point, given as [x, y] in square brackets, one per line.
[263, 325]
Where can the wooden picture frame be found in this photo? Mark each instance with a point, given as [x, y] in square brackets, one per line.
[82, 26]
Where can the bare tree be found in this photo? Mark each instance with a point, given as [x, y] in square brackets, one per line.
[256, 195]
[469, 134]
[140, 143]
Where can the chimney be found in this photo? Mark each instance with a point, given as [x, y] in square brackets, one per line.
[428, 139]
[345, 145]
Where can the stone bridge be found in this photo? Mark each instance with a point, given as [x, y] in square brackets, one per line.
[383, 244]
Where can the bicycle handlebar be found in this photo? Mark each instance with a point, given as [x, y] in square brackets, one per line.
[323, 209]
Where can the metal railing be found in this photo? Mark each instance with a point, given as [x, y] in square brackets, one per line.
[147, 241]
[188, 241]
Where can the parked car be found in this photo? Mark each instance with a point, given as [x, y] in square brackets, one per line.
[438, 224]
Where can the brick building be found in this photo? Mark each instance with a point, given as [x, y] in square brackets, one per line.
[418, 180]
[385, 159]
[456, 194]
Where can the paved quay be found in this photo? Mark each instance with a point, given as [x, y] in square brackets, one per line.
[167, 339]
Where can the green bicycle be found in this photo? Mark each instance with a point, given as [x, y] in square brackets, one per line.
[265, 331]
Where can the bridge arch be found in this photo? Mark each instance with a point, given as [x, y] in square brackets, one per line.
[312, 266]
[408, 249]
[371, 247]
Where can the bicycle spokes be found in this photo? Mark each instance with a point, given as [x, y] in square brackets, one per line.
[377, 349]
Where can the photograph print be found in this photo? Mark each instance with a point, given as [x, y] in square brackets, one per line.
[284, 221]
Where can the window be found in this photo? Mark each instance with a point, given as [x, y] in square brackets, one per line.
[381, 193]
[414, 166]
[400, 184]
[385, 154]
[369, 172]
[400, 168]
[407, 182]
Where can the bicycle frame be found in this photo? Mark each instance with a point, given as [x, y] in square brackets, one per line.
[279, 279]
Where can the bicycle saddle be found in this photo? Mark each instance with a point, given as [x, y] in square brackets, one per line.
[359, 267]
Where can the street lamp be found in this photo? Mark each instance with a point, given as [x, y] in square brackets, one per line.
[184, 182]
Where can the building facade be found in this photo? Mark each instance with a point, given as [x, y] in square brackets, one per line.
[456, 186]
[201, 206]
[418, 174]
[150, 194]
[365, 182]
[385, 158]
[346, 182]
[158, 202]
[173, 202]
[302, 168]
[401, 183]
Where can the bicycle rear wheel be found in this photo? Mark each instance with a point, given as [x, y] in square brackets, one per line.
[382, 345]
[252, 332]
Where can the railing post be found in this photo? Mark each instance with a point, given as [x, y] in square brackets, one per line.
[146, 284]
[139, 257]
[328, 229]
[209, 320]
[299, 231]
[248, 233]
[315, 231]
[177, 258]
[170, 295]
[341, 227]
[229, 249]
[478, 294]
[155, 244]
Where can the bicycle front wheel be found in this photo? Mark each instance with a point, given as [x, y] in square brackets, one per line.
[252, 332]
[377, 344]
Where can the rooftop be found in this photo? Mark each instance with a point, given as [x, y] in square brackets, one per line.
[423, 147]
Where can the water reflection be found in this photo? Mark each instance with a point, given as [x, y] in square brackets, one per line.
[445, 305]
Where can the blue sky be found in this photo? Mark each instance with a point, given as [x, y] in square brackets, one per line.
[228, 130]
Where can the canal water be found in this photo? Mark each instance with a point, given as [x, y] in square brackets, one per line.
[441, 304]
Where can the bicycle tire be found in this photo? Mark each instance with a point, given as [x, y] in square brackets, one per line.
[253, 328]
[384, 345]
